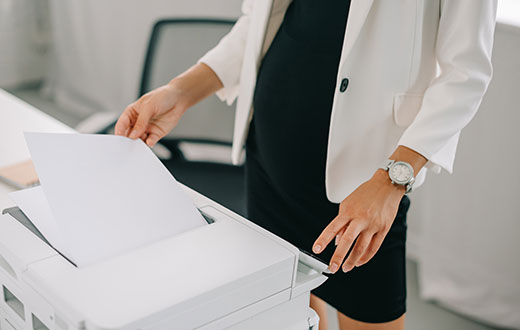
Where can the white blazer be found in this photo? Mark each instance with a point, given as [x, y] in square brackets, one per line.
[417, 72]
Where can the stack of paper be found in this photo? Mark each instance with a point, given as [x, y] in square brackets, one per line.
[102, 196]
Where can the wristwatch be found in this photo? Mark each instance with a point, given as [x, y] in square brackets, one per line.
[400, 173]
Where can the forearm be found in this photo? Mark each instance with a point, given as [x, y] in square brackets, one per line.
[195, 84]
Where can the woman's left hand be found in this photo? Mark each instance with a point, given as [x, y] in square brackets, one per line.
[366, 215]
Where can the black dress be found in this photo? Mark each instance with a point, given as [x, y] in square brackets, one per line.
[286, 156]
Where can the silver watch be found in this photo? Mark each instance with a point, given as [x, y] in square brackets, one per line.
[400, 173]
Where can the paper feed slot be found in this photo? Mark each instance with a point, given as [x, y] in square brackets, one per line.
[18, 215]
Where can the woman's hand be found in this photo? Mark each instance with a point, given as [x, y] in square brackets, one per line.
[156, 113]
[366, 215]
[153, 116]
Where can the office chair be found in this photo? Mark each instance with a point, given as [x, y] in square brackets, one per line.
[206, 129]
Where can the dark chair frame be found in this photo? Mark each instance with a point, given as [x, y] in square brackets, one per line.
[150, 51]
[171, 144]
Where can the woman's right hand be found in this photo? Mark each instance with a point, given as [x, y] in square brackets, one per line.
[153, 115]
[156, 113]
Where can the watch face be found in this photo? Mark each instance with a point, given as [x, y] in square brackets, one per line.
[401, 172]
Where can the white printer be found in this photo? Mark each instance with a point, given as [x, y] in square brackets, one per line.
[230, 274]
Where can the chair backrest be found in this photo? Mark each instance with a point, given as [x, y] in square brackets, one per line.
[174, 46]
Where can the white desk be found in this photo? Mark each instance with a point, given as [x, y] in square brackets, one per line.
[16, 117]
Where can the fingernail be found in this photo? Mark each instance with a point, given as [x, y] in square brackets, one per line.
[317, 248]
[347, 269]
[333, 268]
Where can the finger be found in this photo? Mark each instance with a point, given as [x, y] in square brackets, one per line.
[346, 241]
[338, 236]
[358, 250]
[144, 136]
[143, 118]
[372, 249]
[328, 234]
[124, 123]
[152, 139]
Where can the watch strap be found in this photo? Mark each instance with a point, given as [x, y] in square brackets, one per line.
[386, 164]
[409, 185]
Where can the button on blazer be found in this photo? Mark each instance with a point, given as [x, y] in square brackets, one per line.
[412, 73]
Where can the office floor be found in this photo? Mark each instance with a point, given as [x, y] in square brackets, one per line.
[424, 315]
[421, 315]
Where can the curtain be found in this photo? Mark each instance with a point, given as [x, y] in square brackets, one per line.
[24, 39]
[465, 228]
[99, 47]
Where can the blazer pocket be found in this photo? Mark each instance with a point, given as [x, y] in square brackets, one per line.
[406, 107]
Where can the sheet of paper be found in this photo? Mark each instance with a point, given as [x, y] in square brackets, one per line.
[108, 194]
[33, 203]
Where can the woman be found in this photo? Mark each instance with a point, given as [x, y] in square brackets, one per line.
[348, 105]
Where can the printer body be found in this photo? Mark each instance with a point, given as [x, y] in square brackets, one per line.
[229, 274]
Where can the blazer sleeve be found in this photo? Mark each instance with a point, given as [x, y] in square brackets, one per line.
[463, 51]
[225, 59]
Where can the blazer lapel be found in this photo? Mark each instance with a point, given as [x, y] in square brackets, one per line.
[358, 13]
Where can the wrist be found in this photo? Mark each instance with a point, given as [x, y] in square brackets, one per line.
[195, 84]
[181, 87]
[381, 176]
